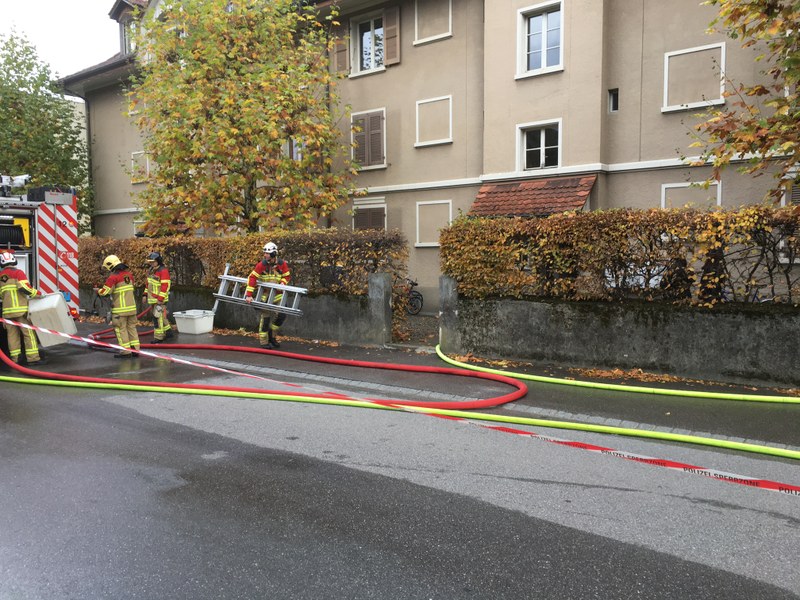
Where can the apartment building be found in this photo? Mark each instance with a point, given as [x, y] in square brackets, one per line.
[489, 107]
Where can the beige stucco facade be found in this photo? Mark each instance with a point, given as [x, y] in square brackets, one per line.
[459, 99]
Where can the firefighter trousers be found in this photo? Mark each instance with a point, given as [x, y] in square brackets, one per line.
[267, 331]
[161, 326]
[17, 336]
[125, 329]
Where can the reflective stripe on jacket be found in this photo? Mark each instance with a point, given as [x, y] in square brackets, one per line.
[158, 284]
[120, 286]
[15, 289]
[268, 273]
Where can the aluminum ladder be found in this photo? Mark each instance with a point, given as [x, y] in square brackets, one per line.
[232, 289]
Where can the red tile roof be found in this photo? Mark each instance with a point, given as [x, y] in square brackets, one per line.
[533, 197]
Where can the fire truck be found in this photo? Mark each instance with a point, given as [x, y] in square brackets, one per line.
[41, 228]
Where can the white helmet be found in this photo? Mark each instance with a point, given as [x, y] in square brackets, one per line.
[7, 259]
[270, 248]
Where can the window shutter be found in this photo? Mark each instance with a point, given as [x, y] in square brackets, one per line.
[794, 197]
[375, 142]
[361, 219]
[341, 56]
[369, 218]
[391, 42]
[360, 140]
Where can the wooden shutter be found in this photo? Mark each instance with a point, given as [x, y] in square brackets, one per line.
[369, 218]
[391, 41]
[360, 140]
[375, 138]
[794, 197]
[369, 141]
[341, 54]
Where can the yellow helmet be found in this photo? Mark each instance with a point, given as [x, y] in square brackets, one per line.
[111, 261]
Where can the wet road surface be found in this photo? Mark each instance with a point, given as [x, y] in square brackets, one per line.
[112, 494]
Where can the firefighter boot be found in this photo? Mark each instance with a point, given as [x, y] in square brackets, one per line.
[265, 332]
[272, 341]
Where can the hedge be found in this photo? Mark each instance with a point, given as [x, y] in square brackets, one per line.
[322, 260]
[681, 256]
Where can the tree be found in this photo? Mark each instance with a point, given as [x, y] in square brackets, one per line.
[238, 108]
[762, 123]
[39, 132]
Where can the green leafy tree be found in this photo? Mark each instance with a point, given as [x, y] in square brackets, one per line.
[40, 134]
[760, 124]
[238, 108]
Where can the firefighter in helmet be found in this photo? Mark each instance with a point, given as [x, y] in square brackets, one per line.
[119, 286]
[156, 295]
[15, 289]
[270, 269]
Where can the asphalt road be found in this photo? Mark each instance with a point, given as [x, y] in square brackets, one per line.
[112, 494]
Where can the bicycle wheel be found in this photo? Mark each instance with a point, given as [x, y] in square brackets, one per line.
[414, 303]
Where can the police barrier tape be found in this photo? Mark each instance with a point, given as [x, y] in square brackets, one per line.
[764, 484]
[182, 361]
[469, 418]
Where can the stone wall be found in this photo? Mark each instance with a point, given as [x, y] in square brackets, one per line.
[750, 343]
[357, 320]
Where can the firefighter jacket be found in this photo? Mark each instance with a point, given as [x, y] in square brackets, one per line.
[268, 273]
[15, 289]
[158, 284]
[120, 286]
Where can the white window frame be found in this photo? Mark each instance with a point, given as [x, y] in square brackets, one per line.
[127, 36]
[523, 15]
[449, 203]
[292, 149]
[355, 46]
[700, 103]
[377, 202]
[522, 128]
[144, 179]
[382, 165]
[449, 138]
[785, 198]
[686, 184]
[433, 38]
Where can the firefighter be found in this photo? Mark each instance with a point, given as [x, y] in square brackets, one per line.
[15, 289]
[119, 286]
[156, 295]
[270, 269]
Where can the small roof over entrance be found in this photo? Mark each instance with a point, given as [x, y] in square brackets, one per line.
[533, 197]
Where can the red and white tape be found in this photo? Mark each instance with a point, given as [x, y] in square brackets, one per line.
[745, 480]
[144, 352]
[764, 484]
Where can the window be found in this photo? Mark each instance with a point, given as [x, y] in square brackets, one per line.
[434, 121]
[369, 139]
[792, 194]
[369, 213]
[541, 39]
[127, 33]
[140, 167]
[613, 100]
[134, 104]
[369, 41]
[293, 149]
[432, 216]
[694, 78]
[374, 43]
[540, 144]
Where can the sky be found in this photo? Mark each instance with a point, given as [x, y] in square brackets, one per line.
[69, 35]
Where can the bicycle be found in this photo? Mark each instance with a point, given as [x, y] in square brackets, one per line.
[415, 299]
